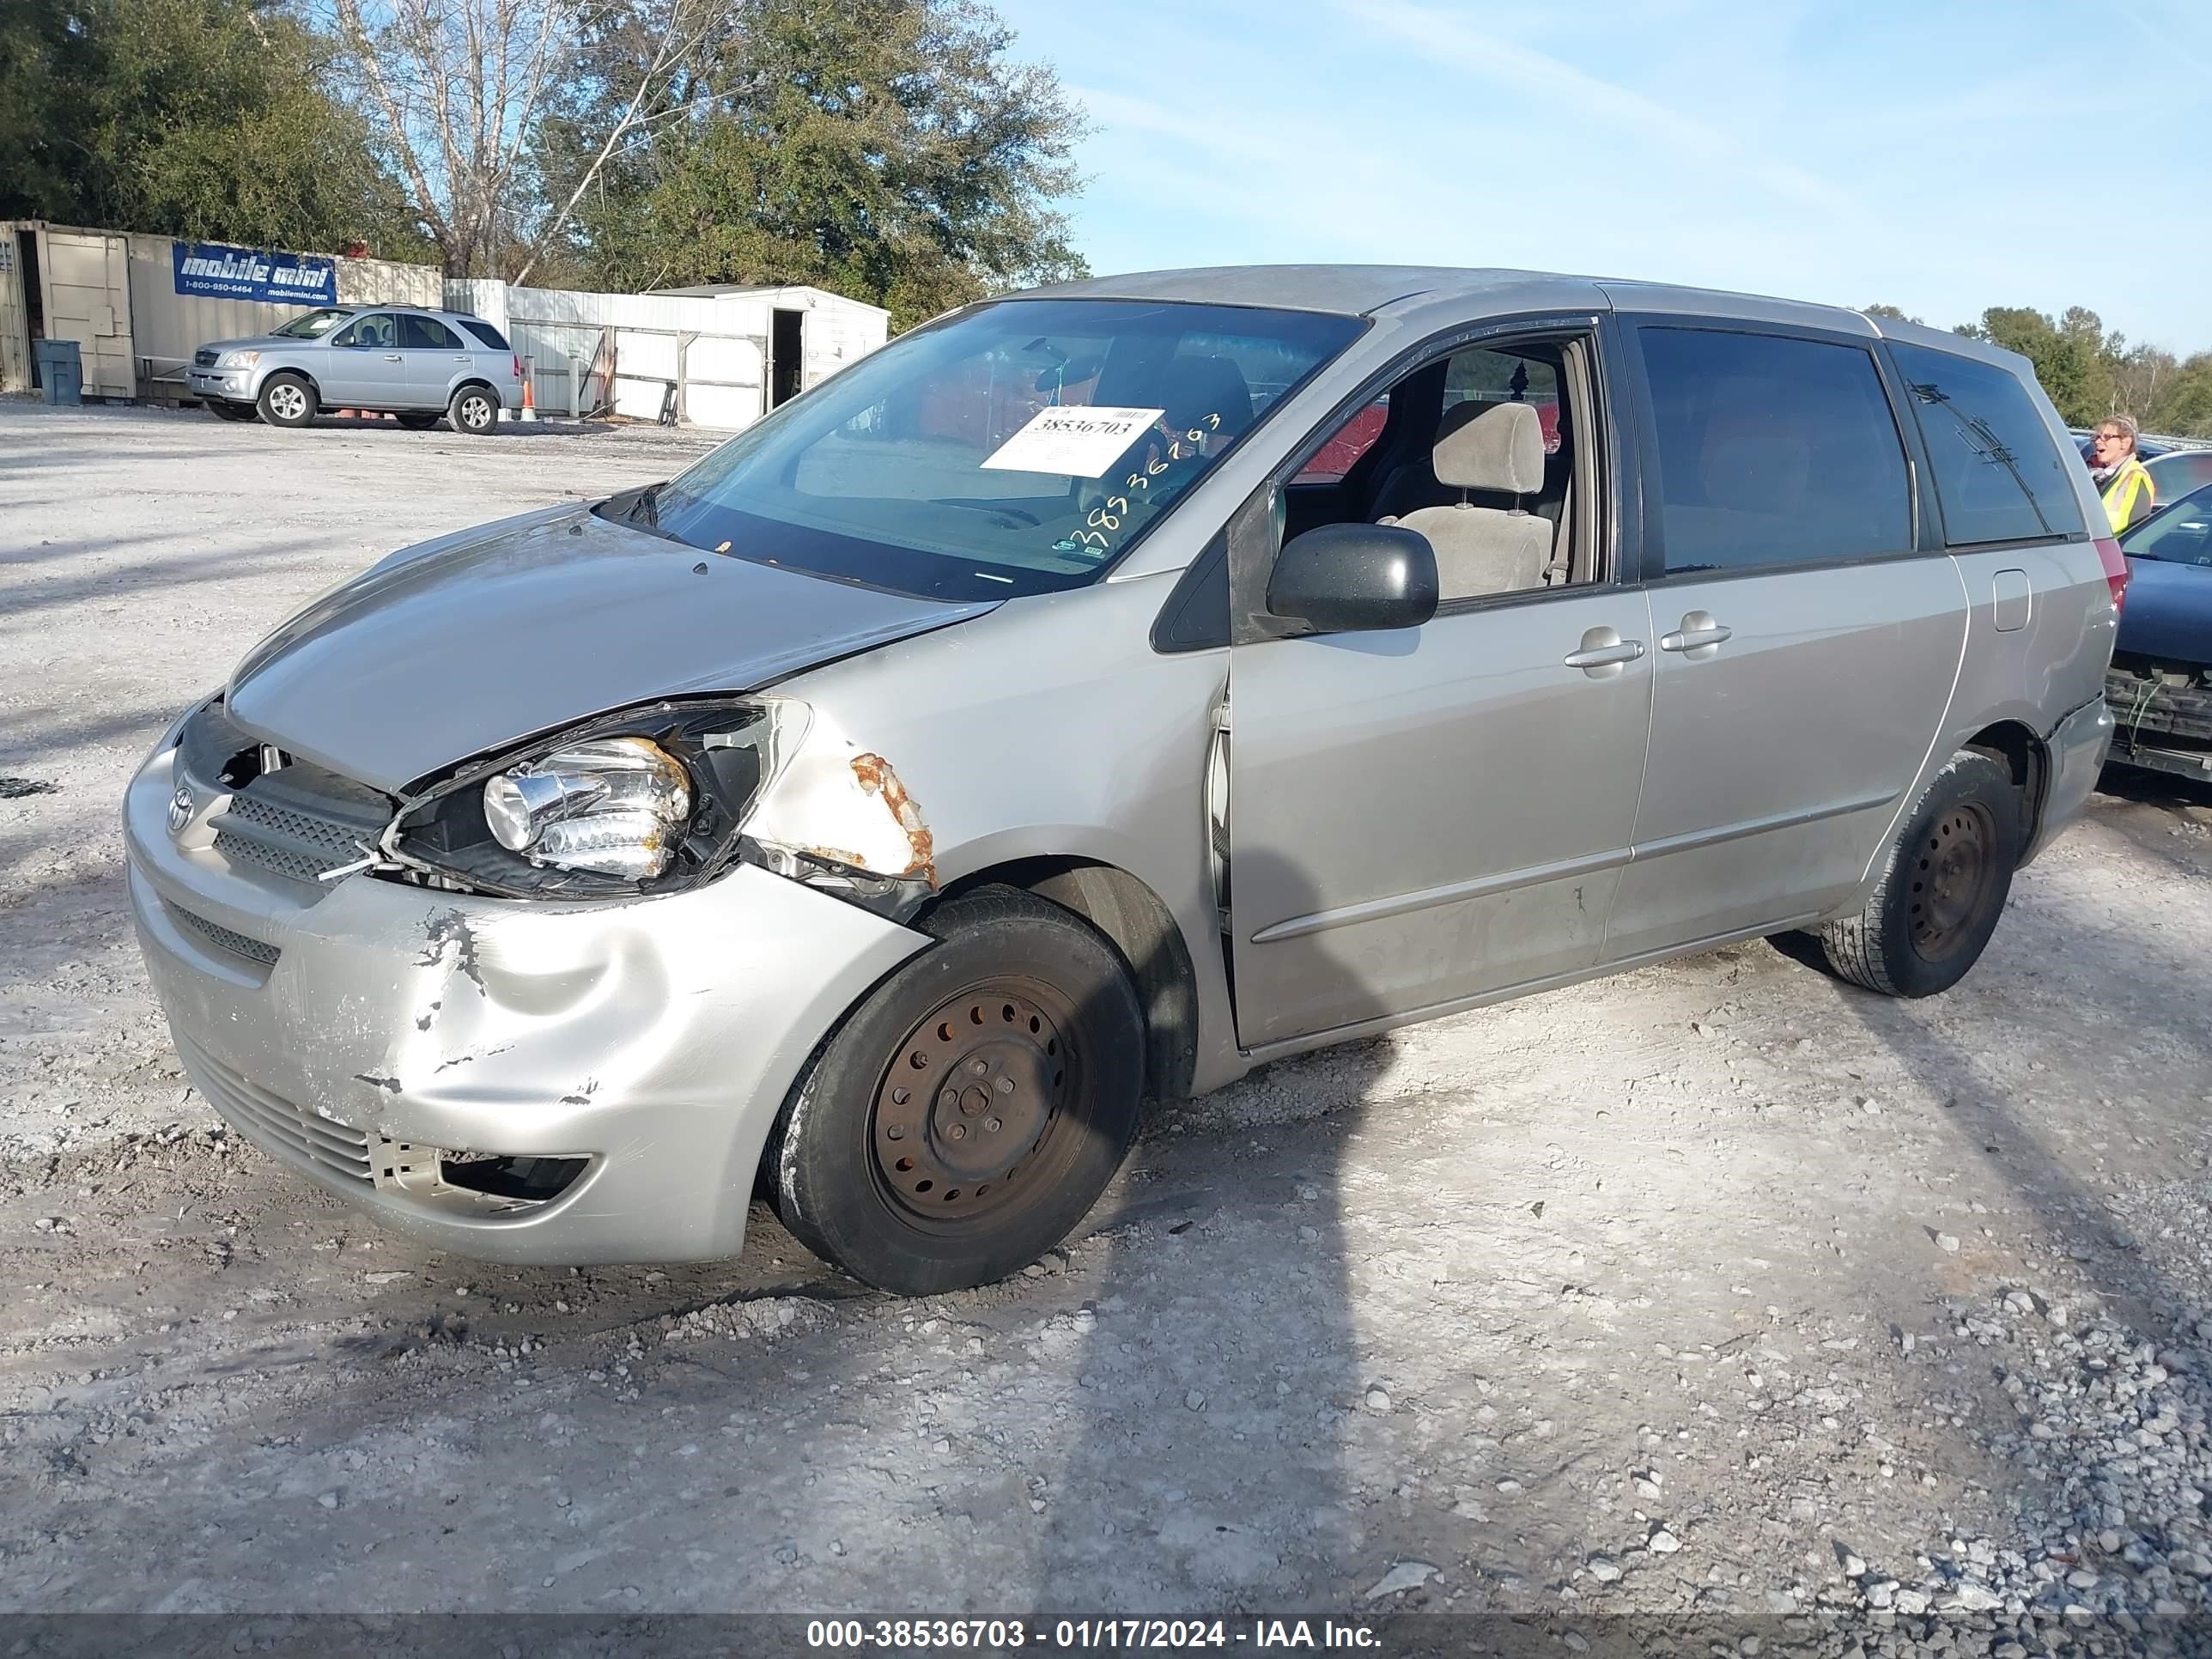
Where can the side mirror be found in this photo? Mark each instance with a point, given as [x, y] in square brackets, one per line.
[1347, 578]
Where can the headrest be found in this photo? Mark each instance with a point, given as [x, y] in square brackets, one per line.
[1490, 447]
[1195, 387]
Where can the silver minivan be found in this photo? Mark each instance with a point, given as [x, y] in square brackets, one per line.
[1094, 694]
[421, 366]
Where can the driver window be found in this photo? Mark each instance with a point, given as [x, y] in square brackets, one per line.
[367, 333]
[1479, 455]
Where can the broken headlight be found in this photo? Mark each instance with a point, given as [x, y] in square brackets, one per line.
[617, 805]
[647, 800]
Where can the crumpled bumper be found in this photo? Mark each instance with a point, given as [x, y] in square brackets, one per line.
[347, 1030]
[2077, 749]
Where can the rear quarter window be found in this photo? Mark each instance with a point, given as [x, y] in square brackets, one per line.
[485, 332]
[1999, 475]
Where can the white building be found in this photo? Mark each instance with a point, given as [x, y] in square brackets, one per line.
[721, 355]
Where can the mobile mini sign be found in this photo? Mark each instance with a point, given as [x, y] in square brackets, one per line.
[249, 273]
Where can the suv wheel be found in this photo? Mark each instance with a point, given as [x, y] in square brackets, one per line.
[474, 410]
[230, 411]
[420, 420]
[1947, 875]
[286, 400]
[971, 1110]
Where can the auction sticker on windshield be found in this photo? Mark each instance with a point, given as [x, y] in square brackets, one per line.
[1076, 440]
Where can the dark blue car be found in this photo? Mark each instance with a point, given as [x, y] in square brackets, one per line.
[2160, 684]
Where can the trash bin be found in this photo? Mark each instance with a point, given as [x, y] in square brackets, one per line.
[61, 370]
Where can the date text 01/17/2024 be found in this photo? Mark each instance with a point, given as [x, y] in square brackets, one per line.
[1081, 1635]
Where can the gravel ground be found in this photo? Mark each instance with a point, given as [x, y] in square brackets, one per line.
[1716, 1289]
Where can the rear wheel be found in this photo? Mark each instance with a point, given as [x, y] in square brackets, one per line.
[286, 400]
[972, 1108]
[420, 420]
[230, 411]
[1948, 873]
[474, 410]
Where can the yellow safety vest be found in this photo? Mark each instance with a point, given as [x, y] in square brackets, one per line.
[2129, 495]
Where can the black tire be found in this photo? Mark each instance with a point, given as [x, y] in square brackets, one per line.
[1943, 887]
[286, 400]
[915, 1195]
[420, 420]
[231, 412]
[474, 411]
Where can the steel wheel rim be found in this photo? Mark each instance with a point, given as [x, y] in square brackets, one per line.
[288, 402]
[965, 1136]
[476, 412]
[1951, 880]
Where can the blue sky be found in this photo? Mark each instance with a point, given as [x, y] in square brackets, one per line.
[1941, 157]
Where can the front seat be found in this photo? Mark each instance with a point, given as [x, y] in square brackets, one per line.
[1207, 394]
[1486, 550]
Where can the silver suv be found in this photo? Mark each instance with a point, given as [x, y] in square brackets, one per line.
[418, 365]
[1092, 696]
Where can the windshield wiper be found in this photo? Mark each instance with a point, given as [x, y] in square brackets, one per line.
[648, 504]
[997, 510]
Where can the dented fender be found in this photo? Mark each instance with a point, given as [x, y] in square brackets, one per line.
[837, 803]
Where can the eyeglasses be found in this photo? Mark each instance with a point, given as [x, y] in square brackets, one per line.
[2111, 438]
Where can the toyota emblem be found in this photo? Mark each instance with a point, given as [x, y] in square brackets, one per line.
[181, 810]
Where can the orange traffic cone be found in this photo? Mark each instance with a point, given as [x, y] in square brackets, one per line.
[529, 402]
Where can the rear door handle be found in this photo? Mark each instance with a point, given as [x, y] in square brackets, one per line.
[1603, 652]
[1699, 637]
[391, 356]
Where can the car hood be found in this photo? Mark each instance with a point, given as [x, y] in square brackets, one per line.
[476, 641]
[255, 343]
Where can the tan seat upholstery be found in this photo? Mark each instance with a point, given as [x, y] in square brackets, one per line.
[1486, 550]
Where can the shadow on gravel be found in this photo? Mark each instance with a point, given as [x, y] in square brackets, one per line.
[2132, 985]
[243, 562]
[2163, 789]
[1211, 1420]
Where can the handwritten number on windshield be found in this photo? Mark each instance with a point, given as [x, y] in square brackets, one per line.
[1190, 445]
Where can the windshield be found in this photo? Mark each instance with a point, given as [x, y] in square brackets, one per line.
[1020, 448]
[2180, 533]
[311, 325]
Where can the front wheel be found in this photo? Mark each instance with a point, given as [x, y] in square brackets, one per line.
[1947, 875]
[420, 420]
[286, 400]
[230, 411]
[971, 1110]
[473, 411]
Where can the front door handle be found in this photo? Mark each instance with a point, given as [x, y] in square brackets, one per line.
[1699, 637]
[1603, 652]
[391, 356]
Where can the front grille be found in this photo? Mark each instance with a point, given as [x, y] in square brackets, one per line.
[274, 1123]
[204, 358]
[300, 821]
[237, 944]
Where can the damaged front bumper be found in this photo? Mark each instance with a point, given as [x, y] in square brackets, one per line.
[526, 1081]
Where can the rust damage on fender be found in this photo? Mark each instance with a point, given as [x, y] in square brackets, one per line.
[877, 778]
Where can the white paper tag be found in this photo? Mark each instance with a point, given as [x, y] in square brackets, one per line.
[1076, 440]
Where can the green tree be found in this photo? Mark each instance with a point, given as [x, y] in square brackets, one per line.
[189, 118]
[2069, 355]
[2183, 404]
[889, 149]
[1892, 312]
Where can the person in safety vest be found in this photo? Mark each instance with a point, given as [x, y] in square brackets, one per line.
[2123, 480]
